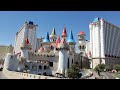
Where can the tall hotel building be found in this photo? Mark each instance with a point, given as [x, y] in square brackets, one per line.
[28, 30]
[104, 42]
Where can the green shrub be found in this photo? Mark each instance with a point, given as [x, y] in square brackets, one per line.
[73, 71]
[116, 67]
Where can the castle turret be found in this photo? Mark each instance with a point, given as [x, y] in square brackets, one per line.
[71, 41]
[64, 33]
[82, 46]
[71, 52]
[63, 58]
[82, 41]
[46, 43]
[53, 36]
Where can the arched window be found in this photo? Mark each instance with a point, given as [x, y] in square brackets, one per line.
[83, 47]
[68, 63]
[80, 47]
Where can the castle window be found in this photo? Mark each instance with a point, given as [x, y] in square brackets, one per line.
[83, 47]
[26, 66]
[45, 67]
[34, 67]
[51, 64]
[40, 67]
[80, 47]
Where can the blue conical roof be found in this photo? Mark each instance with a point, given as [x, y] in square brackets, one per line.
[70, 38]
[47, 39]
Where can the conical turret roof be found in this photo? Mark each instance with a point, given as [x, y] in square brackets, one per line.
[64, 33]
[46, 39]
[53, 34]
[81, 33]
[58, 41]
[70, 38]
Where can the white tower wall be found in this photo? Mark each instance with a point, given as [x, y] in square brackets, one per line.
[24, 53]
[102, 32]
[62, 65]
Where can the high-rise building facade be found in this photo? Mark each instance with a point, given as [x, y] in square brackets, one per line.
[28, 30]
[104, 42]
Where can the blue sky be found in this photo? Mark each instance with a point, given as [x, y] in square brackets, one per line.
[12, 21]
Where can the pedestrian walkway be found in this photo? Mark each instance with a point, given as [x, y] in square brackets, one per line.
[94, 76]
[2, 76]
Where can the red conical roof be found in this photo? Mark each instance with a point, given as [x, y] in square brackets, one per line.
[27, 41]
[64, 33]
[58, 41]
[81, 33]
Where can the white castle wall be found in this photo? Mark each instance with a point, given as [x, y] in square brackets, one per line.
[11, 62]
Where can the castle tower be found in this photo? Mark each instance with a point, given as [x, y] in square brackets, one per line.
[25, 48]
[82, 46]
[64, 33]
[53, 36]
[46, 43]
[71, 43]
[63, 57]
[100, 35]
[82, 41]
